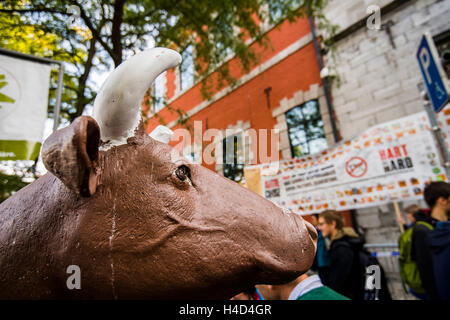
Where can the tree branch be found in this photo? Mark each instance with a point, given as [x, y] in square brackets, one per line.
[116, 37]
[79, 106]
[93, 30]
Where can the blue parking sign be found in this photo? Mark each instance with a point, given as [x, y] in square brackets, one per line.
[432, 73]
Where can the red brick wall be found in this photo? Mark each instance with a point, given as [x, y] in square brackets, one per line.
[249, 102]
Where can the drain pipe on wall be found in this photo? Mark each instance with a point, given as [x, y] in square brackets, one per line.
[326, 88]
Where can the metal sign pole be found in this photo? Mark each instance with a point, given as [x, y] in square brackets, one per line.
[434, 92]
[58, 97]
[445, 157]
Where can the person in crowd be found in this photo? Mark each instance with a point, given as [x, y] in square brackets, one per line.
[425, 244]
[440, 249]
[321, 262]
[409, 212]
[305, 287]
[344, 273]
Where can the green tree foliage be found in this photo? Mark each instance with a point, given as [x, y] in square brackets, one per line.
[28, 35]
[102, 33]
[98, 35]
[11, 183]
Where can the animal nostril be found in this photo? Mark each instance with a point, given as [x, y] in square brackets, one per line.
[312, 231]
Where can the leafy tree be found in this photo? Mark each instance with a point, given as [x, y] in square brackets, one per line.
[111, 30]
[21, 33]
[18, 175]
[98, 35]
[9, 184]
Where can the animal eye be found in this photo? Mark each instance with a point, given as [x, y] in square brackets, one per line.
[183, 172]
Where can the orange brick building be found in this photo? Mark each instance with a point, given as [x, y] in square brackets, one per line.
[286, 76]
[286, 79]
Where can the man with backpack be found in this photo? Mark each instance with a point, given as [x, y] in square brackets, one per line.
[417, 263]
[440, 249]
[348, 260]
[437, 197]
[409, 268]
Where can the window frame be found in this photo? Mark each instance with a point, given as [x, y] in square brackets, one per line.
[162, 102]
[442, 40]
[236, 137]
[304, 123]
[189, 47]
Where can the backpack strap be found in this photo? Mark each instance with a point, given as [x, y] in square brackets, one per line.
[426, 224]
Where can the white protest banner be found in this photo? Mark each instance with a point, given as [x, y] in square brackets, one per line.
[23, 107]
[443, 118]
[388, 162]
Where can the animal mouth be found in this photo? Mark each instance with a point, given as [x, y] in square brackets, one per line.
[293, 255]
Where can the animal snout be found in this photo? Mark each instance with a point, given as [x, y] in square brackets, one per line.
[311, 230]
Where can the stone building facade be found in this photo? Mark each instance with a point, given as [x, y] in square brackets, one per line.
[378, 70]
[379, 75]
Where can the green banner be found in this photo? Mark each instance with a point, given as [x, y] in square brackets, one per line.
[19, 150]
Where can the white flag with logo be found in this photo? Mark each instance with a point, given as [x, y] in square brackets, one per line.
[23, 107]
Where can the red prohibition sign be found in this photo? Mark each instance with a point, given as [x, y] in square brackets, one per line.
[356, 167]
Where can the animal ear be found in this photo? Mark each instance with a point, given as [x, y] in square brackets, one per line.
[71, 155]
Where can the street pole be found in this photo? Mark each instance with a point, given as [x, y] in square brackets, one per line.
[437, 132]
[58, 97]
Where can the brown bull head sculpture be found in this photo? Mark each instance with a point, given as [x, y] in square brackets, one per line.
[137, 221]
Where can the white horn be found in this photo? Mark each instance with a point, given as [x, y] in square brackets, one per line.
[118, 104]
[162, 134]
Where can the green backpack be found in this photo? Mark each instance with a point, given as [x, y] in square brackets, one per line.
[408, 267]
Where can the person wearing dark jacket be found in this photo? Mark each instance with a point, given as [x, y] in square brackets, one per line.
[344, 274]
[440, 248]
[420, 252]
[437, 197]
[409, 212]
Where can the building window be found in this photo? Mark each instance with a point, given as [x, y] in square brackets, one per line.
[187, 68]
[442, 42]
[159, 92]
[275, 11]
[233, 158]
[305, 128]
[222, 52]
